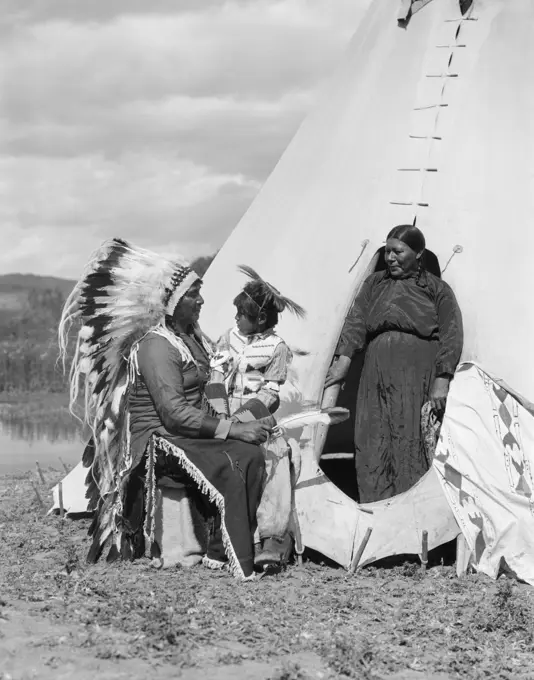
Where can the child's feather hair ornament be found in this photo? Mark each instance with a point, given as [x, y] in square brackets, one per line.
[123, 293]
[266, 296]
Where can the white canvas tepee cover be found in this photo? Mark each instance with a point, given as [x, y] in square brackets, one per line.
[434, 122]
[428, 122]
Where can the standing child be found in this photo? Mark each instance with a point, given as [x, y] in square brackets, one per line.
[250, 365]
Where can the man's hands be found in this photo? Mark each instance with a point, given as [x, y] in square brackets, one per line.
[254, 432]
[337, 371]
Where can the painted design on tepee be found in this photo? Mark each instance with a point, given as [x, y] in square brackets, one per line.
[463, 499]
[507, 428]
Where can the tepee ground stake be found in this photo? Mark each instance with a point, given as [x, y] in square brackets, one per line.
[358, 556]
[40, 472]
[61, 507]
[424, 551]
[38, 496]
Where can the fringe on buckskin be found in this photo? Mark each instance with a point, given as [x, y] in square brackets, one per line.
[150, 505]
[213, 495]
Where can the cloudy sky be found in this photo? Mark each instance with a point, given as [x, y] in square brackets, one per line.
[154, 120]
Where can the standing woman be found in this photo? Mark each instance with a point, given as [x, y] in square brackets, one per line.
[409, 323]
[144, 362]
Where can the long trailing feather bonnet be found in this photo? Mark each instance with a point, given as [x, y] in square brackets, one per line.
[123, 293]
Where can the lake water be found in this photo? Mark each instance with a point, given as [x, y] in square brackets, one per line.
[25, 439]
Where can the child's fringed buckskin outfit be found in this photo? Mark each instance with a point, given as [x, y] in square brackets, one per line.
[250, 369]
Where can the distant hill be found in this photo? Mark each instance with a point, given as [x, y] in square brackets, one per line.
[15, 289]
[13, 282]
[30, 309]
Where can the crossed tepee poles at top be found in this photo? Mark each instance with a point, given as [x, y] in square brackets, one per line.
[409, 7]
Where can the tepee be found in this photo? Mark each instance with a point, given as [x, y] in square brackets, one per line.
[427, 121]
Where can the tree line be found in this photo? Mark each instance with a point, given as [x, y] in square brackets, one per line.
[28, 341]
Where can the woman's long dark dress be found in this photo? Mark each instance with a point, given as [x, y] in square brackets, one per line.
[411, 329]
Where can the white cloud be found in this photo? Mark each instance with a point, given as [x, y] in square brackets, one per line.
[90, 198]
[259, 50]
[155, 121]
[223, 135]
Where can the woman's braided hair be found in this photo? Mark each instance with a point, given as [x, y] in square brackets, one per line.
[414, 239]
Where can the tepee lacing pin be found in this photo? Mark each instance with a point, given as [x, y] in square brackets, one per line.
[421, 205]
[430, 106]
[452, 21]
[456, 249]
[364, 246]
[417, 170]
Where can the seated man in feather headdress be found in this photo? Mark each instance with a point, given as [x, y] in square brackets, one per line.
[144, 363]
[249, 366]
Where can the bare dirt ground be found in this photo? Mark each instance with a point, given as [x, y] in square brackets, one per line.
[60, 618]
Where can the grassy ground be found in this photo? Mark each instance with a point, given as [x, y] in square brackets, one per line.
[60, 618]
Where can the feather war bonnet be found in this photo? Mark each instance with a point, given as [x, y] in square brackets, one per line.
[123, 293]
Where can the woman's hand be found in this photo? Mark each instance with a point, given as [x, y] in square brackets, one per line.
[337, 371]
[438, 394]
[254, 432]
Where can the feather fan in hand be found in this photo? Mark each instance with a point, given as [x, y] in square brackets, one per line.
[327, 416]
